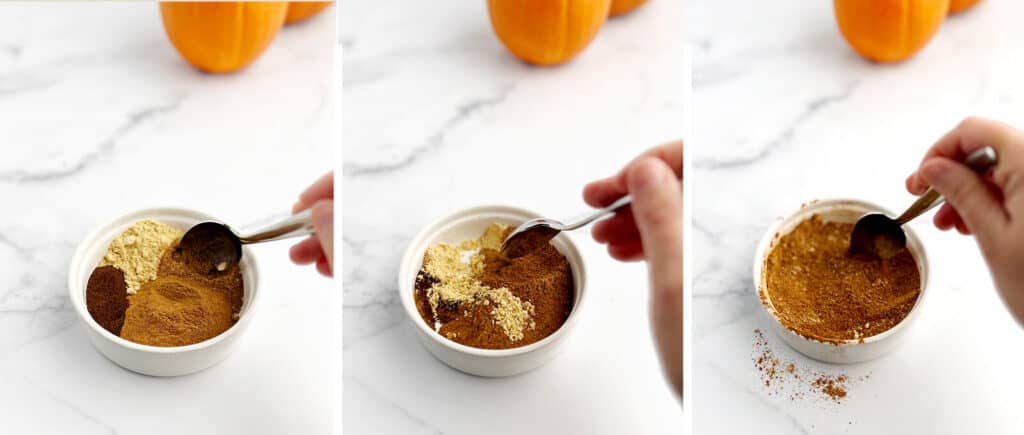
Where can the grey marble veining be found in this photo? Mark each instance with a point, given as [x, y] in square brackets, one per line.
[438, 117]
[788, 113]
[101, 117]
[434, 141]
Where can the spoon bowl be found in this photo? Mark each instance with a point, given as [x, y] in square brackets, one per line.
[212, 246]
[530, 236]
[875, 235]
[535, 233]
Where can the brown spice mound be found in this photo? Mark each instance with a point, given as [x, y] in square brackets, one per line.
[182, 307]
[816, 289]
[106, 297]
[542, 278]
[537, 286]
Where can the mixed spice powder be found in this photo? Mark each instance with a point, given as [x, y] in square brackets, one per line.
[818, 290]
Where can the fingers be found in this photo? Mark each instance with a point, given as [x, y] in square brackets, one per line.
[672, 154]
[658, 212]
[632, 250]
[970, 135]
[621, 235]
[947, 218]
[980, 210]
[322, 188]
[915, 185]
[307, 251]
[619, 228]
[323, 224]
[324, 267]
[603, 192]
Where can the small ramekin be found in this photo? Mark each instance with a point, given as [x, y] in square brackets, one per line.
[849, 351]
[469, 224]
[156, 360]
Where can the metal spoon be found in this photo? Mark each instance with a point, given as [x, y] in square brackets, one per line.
[213, 246]
[535, 233]
[877, 236]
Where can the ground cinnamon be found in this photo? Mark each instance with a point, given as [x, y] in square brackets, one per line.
[490, 301]
[816, 289]
[181, 306]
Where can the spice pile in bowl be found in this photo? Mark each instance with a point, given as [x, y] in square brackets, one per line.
[144, 290]
[471, 294]
[816, 289]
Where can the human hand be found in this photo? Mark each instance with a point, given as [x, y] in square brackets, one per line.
[651, 229]
[991, 206]
[319, 247]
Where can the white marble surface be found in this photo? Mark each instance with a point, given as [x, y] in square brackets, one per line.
[438, 116]
[784, 113]
[100, 116]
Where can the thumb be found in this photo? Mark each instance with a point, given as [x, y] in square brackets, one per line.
[965, 190]
[323, 224]
[658, 212]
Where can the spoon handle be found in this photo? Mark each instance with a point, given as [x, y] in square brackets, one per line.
[299, 224]
[578, 222]
[981, 161]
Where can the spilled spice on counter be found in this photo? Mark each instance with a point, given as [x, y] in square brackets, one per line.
[796, 381]
[473, 295]
[816, 289]
[832, 386]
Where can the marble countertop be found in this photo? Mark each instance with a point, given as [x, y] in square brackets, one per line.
[785, 113]
[101, 117]
[438, 117]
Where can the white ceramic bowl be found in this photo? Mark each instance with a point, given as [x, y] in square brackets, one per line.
[155, 360]
[470, 224]
[850, 351]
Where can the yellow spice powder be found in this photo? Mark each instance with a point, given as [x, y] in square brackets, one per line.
[137, 251]
[458, 269]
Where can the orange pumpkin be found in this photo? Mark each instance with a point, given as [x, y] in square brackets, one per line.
[889, 30]
[620, 7]
[222, 37]
[957, 6]
[546, 32]
[300, 11]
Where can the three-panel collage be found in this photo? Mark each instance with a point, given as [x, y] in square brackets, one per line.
[505, 217]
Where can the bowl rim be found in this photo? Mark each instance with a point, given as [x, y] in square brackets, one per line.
[765, 244]
[74, 288]
[406, 288]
